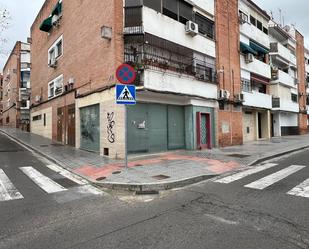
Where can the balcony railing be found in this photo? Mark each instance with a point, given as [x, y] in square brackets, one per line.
[200, 70]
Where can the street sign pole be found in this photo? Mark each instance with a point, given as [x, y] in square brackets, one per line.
[126, 137]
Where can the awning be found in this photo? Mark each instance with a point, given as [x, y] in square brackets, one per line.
[259, 79]
[46, 24]
[58, 9]
[258, 48]
[246, 49]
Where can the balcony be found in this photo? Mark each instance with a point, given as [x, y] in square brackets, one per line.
[258, 100]
[279, 76]
[24, 94]
[257, 67]
[253, 33]
[279, 104]
[162, 26]
[277, 49]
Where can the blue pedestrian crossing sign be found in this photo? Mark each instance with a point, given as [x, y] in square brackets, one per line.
[125, 95]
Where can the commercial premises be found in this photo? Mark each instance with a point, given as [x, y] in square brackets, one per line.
[16, 88]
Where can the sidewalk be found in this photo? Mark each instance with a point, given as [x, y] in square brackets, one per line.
[158, 171]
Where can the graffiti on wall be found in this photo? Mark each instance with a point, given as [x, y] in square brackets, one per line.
[110, 126]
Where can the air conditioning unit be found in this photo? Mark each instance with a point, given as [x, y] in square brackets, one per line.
[55, 20]
[223, 94]
[249, 58]
[53, 63]
[240, 97]
[38, 98]
[243, 18]
[191, 28]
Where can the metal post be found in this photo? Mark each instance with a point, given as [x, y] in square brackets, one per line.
[125, 137]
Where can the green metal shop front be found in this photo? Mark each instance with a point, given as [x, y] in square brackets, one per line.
[155, 127]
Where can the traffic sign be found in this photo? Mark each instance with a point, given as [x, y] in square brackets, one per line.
[125, 95]
[125, 74]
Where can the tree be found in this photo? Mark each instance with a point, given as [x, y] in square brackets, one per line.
[4, 24]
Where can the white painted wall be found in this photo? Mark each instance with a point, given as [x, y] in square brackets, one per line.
[25, 57]
[288, 119]
[162, 26]
[37, 127]
[256, 99]
[208, 6]
[160, 81]
[257, 67]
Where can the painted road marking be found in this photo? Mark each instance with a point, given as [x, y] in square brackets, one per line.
[42, 181]
[240, 175]
[7, 190]
[273, 178]
[301, 190]
[67, 174]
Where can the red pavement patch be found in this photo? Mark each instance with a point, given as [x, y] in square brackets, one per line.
[216, 166]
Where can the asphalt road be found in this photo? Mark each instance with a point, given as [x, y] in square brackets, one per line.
[217, 214]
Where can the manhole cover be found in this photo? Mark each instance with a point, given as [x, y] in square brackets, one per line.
[238, 155]
[101, 178]
[43, 145]
[116, 172]
[160, 177]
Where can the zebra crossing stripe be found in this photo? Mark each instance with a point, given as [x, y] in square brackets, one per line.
[301, 190]
[67, 174]
[48, 185]
[7, 190]
[273, 178]
[240, 175]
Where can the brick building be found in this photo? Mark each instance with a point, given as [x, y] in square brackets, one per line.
[16, 88]
[203, 74]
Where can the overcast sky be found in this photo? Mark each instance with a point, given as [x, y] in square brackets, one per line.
[23, 13]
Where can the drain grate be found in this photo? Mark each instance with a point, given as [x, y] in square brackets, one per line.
[57, 145]
[238, 155]
[101, 178]
[161, 177]
[116, 172]
[43, 145]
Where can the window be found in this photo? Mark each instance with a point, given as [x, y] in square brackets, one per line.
[59, 48]
[37, 117]
[55, 87]
[170, 8]
[246, 85]
[185, 12]
[252, 20]
[259, 25]
[204, 73]
[25, 79]
[56, 50]
[153, 4]
[205, 26]
[51, 90]
[265, 30]
[294, 97]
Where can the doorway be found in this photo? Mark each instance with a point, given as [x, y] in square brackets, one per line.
[203, 131]
[260, 125]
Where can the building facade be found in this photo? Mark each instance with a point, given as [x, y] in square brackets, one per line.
[16, 88]
[209, 73]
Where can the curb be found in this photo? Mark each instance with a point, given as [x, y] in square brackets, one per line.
[166, 185]
[262, 159]
[154, 186]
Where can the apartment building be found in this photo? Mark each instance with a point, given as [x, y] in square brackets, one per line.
[171, 44]
[16, 88]
[284, 83]
[307, 82]
[255, 71]
[1, 98]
